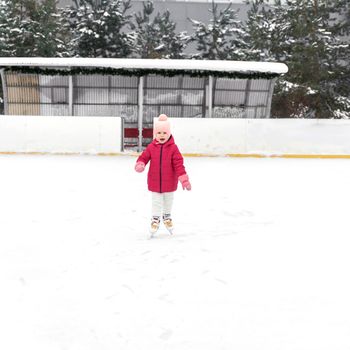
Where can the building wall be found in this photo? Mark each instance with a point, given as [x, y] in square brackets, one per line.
[182, 10]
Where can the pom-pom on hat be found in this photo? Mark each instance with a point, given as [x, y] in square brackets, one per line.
[161, 124]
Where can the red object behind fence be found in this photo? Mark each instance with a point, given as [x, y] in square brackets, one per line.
[134, 133]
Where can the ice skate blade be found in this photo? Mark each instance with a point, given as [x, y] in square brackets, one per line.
[170, 230]
[152, 233]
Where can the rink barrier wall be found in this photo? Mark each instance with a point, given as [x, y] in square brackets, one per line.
[285, 138]
[60, 135]
[264, 137]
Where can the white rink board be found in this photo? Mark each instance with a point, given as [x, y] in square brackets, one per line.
[262, 136]
[91, 135]
[101, 135]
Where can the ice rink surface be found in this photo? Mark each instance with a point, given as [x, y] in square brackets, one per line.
[259, 260]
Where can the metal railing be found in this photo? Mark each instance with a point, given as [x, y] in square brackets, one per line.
[137, 99]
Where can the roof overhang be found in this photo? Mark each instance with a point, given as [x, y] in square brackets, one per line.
[146, 64]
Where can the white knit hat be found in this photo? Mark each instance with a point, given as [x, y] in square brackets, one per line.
[162, 124]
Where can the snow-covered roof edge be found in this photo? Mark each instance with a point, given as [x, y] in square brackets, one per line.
[128, 63]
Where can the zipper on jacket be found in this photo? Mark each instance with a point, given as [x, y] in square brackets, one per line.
[160, 169]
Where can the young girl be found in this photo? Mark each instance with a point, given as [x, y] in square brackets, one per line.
[166, 169]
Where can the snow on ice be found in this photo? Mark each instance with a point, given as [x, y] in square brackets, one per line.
[259, 259]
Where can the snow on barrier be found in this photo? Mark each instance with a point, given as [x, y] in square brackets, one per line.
[263, 137]
[194, 136]
[42, 134]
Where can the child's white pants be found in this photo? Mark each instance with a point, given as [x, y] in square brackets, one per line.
[162, 203]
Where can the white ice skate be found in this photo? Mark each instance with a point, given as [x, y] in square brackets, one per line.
[154, 226]
[168, 223]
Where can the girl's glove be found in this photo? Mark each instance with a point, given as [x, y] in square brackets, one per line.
[185, 182]
[140, 167]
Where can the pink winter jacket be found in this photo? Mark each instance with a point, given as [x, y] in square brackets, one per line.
[166, 165]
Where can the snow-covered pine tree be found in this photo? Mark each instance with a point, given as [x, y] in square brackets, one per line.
[13, 22]
[342, 9]
[340, 28]
[347, 17]
[255, 34]
[49, 34]
[218, 39]
[304, 35]
[172, 44]
[314, 51]
[262, 32]
[99, 28]
[155, 36]
[144, 33]
[31, 28]
[4, 28]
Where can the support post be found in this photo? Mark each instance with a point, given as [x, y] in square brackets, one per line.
[210, 97]
[122, 134]
[4, 91]
[246, 97]
[140, 113]
[70, 96]
[269, 98]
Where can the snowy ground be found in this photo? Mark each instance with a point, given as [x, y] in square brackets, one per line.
[260, 258]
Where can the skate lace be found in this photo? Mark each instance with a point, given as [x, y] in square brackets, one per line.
[155, 223]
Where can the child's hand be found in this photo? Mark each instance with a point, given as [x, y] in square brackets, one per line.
[185, 182]
[140, 167]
